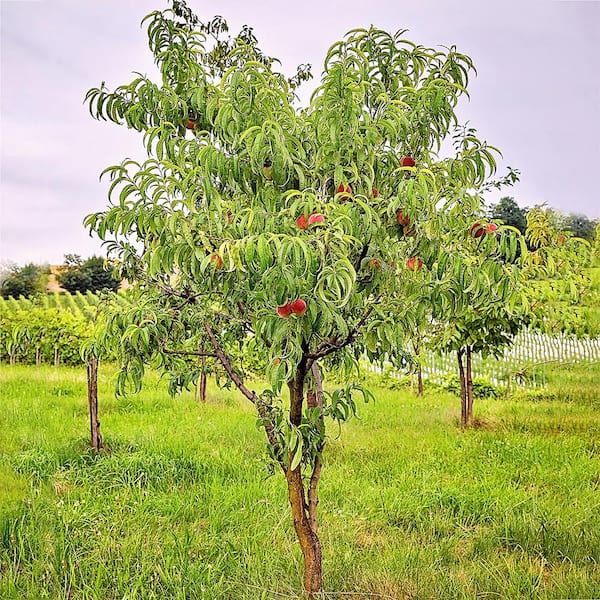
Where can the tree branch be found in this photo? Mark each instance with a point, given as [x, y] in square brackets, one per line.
[188, 353]
[328, 347]
[261, 406]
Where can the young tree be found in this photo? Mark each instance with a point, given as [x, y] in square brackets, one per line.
[558, 278]
[301, 235]
[489, 282]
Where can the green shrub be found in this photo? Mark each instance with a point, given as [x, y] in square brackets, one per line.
[482, 387]
[43, 335]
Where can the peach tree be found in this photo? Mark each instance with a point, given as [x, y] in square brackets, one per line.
[489, 281]
[298, 236]
[557, 270]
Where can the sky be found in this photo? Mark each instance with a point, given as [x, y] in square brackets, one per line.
[536, 95]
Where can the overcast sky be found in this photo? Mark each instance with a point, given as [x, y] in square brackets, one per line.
[536, 96]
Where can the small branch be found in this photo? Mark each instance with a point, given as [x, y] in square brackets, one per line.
[328, 347]
[261, 407]
[362, 255]
[227, 366]
[313, 499]
[189, 353]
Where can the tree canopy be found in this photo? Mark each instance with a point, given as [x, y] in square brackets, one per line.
[91, 274]
[24, 281]
[510, 213]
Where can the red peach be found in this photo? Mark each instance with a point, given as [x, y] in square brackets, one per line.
[284, 311]
[414, 263]
[403, 219]
[316, 218]
[477, 229]
[298, 307]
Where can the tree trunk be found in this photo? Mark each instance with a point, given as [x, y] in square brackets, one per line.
[56, 357]
[92, 383]
[469, 389]
[463, 388]
[417, 350]
[201, 383]
[309, 540]
[303, 511]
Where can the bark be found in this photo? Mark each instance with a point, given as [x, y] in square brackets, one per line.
[303, 511]
[315, 400]
[463, 388]
[417, 349]
[92, 383]
[469, 378]
[309, 541]
[201, 384]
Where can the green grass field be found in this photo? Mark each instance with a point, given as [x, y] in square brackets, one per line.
[181, 506]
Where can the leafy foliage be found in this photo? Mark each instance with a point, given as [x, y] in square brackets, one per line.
[510, 213]
[86, 275]
[43, 335]
[557, 276]
[24, 281]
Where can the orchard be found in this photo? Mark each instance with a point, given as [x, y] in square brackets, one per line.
[307, 236]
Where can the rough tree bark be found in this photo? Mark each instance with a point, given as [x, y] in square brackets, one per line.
[417, 349]
[469, 378]
[303, 512]
[92, 385]
[201, 384]
[463, 388]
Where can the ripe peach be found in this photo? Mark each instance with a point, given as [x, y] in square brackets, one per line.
[316, 218]
[301, 222]
[344, 188]
[403, 219]
[298, 307]
[284, 311]
[477, 229]
[414, 263]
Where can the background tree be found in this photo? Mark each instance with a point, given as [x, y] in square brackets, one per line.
[91, 274]
[24, 281]
[579, 226]
[490, 284]
[557, 270]
[509, 213]
[300, 235]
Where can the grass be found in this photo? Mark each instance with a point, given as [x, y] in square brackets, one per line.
[181, 505]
